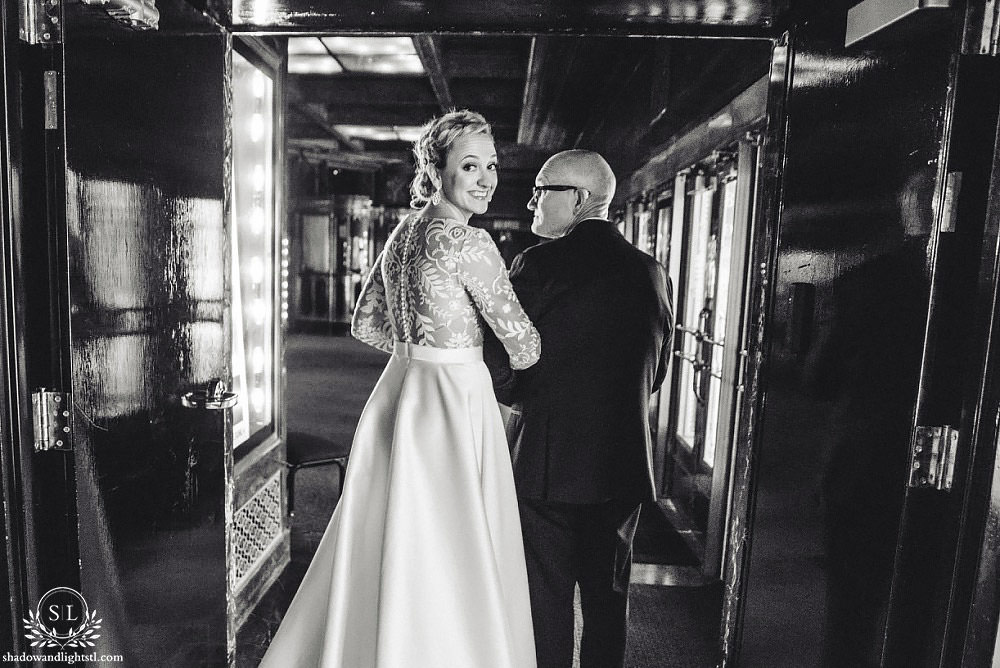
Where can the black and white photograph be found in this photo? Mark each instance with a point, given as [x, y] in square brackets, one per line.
[508, 334]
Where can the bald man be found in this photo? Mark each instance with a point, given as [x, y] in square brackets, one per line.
[580, 427]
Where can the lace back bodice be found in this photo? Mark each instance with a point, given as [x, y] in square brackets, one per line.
[435, 284]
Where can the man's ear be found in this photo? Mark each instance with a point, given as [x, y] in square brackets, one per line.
[582, 195]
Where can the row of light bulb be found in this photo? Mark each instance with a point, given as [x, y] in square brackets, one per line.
[284, 279]
[258, 223]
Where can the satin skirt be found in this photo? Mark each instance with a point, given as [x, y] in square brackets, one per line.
[422, 564]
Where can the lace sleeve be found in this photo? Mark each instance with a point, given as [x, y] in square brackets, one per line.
[370, 323]
[484, 276]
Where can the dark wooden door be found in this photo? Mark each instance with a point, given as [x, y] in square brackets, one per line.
[146, 221]
[947, 495]
[136, 253]
[856, 555]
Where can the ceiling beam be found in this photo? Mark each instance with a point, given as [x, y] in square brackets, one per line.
[479, 93]
[314, 114]
[430, 56]
[335, 156]
[357, 114]
[504, 121]
[513, 156]
[369, 89]
[531, 113]
[478, 64]
[619, 78]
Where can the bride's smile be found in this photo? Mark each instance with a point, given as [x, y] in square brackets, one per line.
[469, 176]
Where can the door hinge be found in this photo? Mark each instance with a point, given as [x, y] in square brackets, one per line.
[932, 457]
[39, 21]
[51, 412]
[50, 79]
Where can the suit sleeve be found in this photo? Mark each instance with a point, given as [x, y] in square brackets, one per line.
[665, 296]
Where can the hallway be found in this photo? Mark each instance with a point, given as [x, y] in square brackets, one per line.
[329, 380]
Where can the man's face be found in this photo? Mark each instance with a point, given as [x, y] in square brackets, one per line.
[554, 209]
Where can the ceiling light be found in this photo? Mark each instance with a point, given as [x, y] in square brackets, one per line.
[407, 133]
[313, 64]
[297, 45]
[382, 63]
[363, 46]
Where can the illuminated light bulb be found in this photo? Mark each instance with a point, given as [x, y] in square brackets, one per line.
[258, 177]
[256, 127]
[258, 360]
[284, 286]
[284, 272]
[256, 269]
[257, 397]
[257, 220]
[261, 12]
[259, 84]
[259, 310]
[284, 241]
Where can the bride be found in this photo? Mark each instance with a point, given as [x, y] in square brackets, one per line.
[422, 564]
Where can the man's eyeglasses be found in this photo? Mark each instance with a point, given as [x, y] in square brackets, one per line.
[538, 190]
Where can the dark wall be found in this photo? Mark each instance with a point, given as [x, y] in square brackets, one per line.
[672, 85]
[850, 300]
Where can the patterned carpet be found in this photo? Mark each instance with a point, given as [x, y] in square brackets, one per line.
[329, 379]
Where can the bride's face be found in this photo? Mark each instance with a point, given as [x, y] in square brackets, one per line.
[469, 176]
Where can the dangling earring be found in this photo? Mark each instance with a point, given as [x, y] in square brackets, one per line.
[436, 198]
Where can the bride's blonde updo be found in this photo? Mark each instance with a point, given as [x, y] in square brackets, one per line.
[431, 148]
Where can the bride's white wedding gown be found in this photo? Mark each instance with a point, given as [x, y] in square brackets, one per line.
[422, 564]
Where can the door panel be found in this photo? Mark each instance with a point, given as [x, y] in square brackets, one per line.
[708, 247]
[146, 218]
[859, 182]
[731, 330]
[929, 595]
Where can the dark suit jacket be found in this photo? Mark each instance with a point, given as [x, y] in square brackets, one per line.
[603, 310]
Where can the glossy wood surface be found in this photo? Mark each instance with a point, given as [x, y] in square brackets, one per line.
[829, 474]
[146, 216]
[930, 585]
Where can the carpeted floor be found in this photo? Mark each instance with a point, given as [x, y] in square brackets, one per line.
[329, 380]
[673, 627]
[656, 541]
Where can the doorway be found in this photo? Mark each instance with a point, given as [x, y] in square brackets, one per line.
[355, 104]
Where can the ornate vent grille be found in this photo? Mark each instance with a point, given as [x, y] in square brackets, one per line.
[256, 529]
